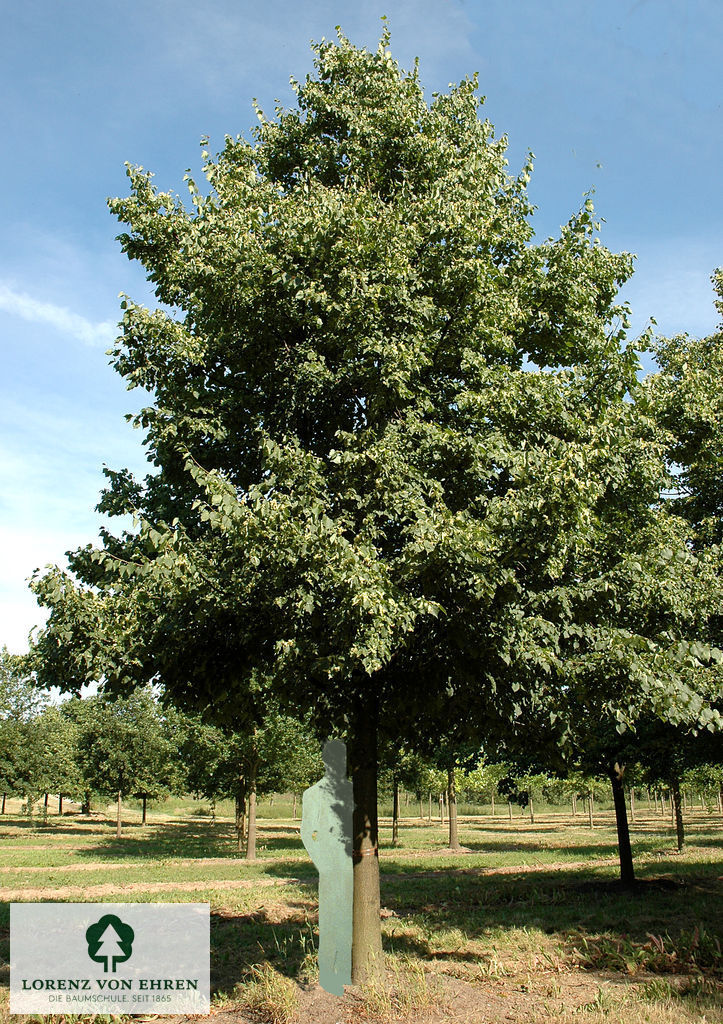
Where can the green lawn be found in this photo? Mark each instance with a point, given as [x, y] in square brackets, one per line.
[538, 902]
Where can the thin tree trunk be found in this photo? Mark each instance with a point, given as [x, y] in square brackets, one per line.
[720, 801]
[430, 806]
[574, 805]
[251, 838]
[590, 809]
[60, 803]
[406, 798]
[672, 808]
[441, 810]
[662, 803]
[679, 827]
[45, 806]
[493, 803]
[395, 812]
[367, 957]
[294, 806]
[143, 819]
[532, 811]
[627, 872]
[685, 799]
[240, 814]
[632, 804]
[452, 807]
[3, 810]
[119, 816]
[509, 808]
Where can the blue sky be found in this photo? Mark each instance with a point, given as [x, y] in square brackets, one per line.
[622, 97]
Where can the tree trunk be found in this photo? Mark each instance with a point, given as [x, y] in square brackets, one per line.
[367, 958]
[294, 806]
[271, 800]
[662, 803]
[589, 809]
[430, 807]
[632, 804]
[574, 805]
[532, 811]
[45, 806]
[441, 810]
[493, 803]
[720, 801]
[509, 808]
[240, 814]
[421, 809]
[452, 808]
[86, 802]
[627, 872]
[119, 817]
[3, 810]
[60, 803]
[675, 799]
[395, 812]
[672, 808]
[143, 819]
[251, 838]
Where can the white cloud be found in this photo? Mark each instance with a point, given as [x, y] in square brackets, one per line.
[64, 320]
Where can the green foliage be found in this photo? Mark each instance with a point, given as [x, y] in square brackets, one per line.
[123, 745]
[367, 492]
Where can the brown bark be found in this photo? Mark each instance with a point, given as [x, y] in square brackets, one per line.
[240, 814]
[532, 811]
[677, 812]
[143, 819]
[452, 808]
[86, 802]
[3, 810]
[367, 958]
[574, 805]
[627, 872]
[590, 809]
[60, 803]
[441, 809]
[119, 816]
[430, 807]
[395, 812]
[251, 837]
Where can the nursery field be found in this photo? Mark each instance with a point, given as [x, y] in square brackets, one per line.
[526, 924]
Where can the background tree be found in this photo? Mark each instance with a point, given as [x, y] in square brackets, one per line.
[123, 746]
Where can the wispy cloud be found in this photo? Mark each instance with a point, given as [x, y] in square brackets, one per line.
[73, 324]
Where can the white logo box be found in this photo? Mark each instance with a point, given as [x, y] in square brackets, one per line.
[116, 958]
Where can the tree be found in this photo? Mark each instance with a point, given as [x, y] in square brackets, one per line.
[123, 746]
[369, 501]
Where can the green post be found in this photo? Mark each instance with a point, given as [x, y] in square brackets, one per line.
[326, 831]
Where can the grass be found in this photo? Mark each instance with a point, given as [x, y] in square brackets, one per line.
[531, 916]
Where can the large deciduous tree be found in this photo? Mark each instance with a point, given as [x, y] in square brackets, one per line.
[394, 466]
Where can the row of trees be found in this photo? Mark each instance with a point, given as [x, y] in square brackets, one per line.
[406, 482]
[133, 746]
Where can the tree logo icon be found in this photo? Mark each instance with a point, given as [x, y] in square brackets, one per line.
[110, 941]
